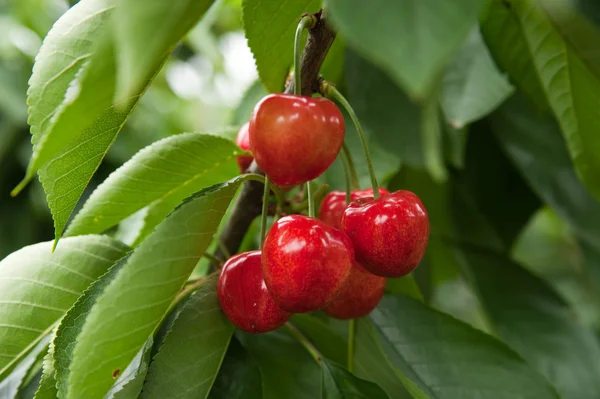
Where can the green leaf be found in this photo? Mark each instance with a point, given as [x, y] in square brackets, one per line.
[535, 321]
[444, 357]
[372, 94]
[47, 388]
[190, 357]
[534, 145]
[414, 39]
[371, 364]
[135, 302]
[147, 34]
[572, 89]
[131, 381]
[239, 376]
[159, 177]
[432, 137]
[10, 386]
[472, 85]
[270, 26]
[37, 287]
[324, 336]
[339, 383]
[282, 378]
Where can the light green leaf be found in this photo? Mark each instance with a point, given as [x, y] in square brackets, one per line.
[414, 38]
[10, 386]
[37, 287]
[444, 357]
[146, 34]
[571, 88]
[339, 383]
[270, 26]
[71, 324]
[472, 85]
[47, 388]
[131, 381]
[239, 376]
[535, 321]
[159, 177]
[282, 378]
[135, 302]
[189, 359]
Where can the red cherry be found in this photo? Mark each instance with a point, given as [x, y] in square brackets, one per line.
[243, 141]
[294, 139]
[244, 297]
[359, 296]
[333, 205]
[305, 263]
[389, 234]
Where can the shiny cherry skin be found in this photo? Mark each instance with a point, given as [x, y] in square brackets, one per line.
[333, 205]
[244, 297]
[294, 139]
[359, 296]
[305, 263]
[243, 141]
[389, 234]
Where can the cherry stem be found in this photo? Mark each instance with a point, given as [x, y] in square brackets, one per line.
[192, 286]
[347, 173]
[306, 22]
[351, 335]
[213, 259]
[265, 211]
[297, 334]
[311, 200]
[330, 91]
[263, 180]
[353, 175]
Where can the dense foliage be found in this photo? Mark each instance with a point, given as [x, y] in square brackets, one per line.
[486, 109]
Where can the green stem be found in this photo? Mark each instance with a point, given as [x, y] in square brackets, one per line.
[330, 91]
[305, 22]
[353, 175]
[311, 200]
[263, 179]
[265, 211]
[212, 258]
[351, 335]
[347, 176]
[297, 334]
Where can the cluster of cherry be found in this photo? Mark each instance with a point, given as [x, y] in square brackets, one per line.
[339, 262]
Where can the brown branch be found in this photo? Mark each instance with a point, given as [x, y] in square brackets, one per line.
[249, 201]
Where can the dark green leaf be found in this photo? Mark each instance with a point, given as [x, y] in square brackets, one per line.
[319, 330]
[239, 376]
[160, 176]
[282, 378]
[570, 86]
[413, 39]
[37, 287]
[472, 85]
[190, 357]
[270, 26]
[339, 383]
[534, 145]
[147, 34]
[444, 357]
[132, 306]
[535, 321]
[47, 388]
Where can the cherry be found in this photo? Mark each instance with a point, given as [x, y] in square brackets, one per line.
[305, 263]
[333, 205]
[243, 141]
[389, 234]
[359, 295]
[294, 139]
[244, 297]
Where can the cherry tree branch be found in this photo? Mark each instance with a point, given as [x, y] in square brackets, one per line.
[249, 202]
